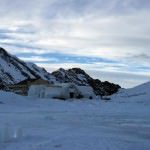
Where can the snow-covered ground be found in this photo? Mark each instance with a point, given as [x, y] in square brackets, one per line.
[122, 123]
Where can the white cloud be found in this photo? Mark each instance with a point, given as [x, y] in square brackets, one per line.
[113, 29]
[38, 59]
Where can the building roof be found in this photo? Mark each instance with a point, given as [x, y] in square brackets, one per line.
[26, 81]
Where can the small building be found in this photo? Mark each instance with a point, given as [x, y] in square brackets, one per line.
[23, 86]
[61, 91]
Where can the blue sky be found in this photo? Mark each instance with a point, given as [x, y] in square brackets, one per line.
[107, 38]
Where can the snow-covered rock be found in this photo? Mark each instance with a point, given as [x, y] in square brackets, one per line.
[14, 70]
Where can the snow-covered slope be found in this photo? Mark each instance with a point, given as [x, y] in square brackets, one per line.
[140, 92]
[13, 70]
[47, 124]
[80, 77]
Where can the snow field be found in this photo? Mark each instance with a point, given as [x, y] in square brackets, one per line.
[47, 124]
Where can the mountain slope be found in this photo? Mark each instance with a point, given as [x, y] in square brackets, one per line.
[140, 92]
[13, 70]
[79, 77]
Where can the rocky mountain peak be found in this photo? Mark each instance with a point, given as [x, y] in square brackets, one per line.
[80, 77]
[3, 51]
[13, 70]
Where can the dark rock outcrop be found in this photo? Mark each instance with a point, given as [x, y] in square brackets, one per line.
[80, 77]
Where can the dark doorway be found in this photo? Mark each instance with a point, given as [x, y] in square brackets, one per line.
[71, 95]
[90, 97]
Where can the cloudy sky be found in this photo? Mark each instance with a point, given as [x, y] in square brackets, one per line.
[110, 39]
